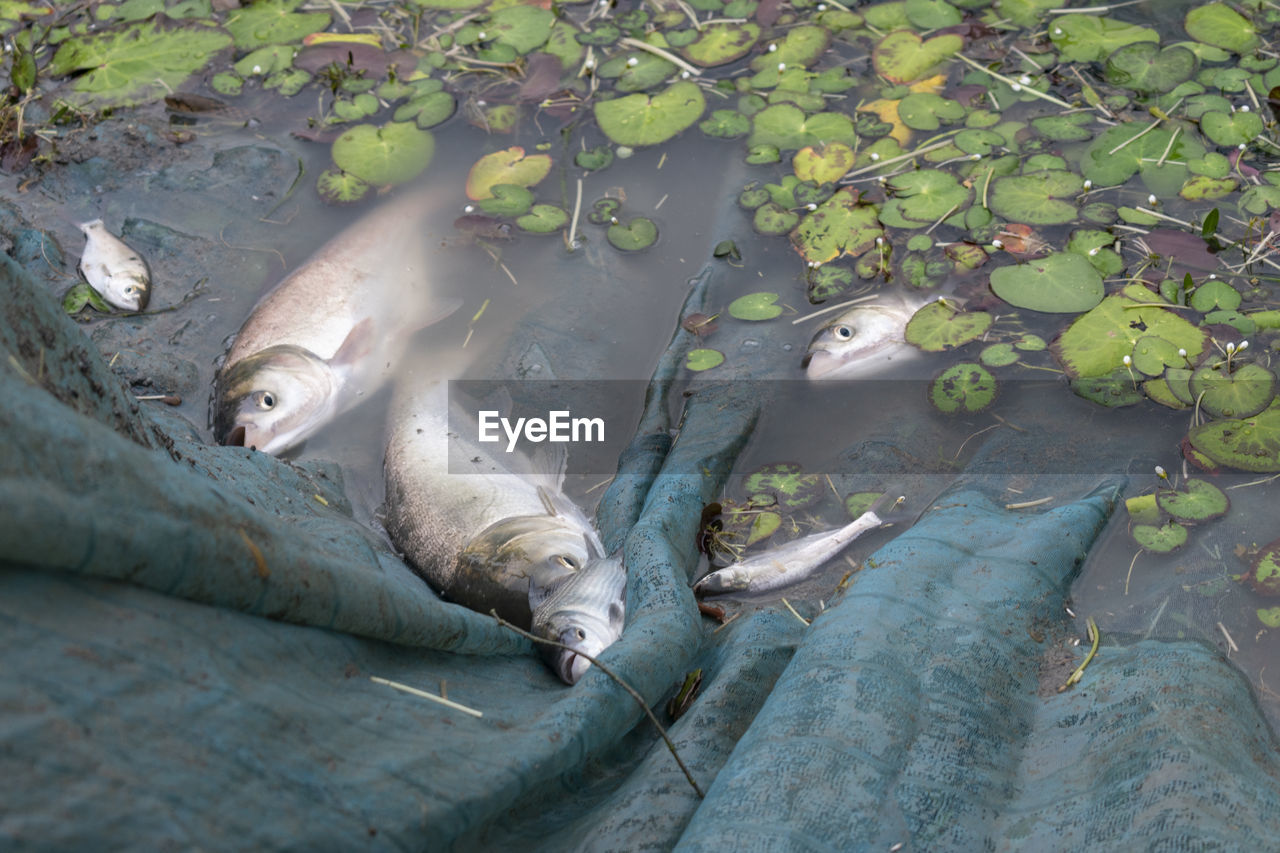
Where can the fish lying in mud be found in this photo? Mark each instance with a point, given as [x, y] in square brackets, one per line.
[793, 562]
[487, 529]
[584, 611]
[331, 333]
[865, 339]
[117, 272]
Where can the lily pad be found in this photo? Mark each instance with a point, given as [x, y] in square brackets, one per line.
[1221, 26]
[725, 124]
[840, 226]
[1096, 343]
[139, 63]
[508, 166]
[703, 359]
[1215, 294]
[721, 42]
[507, 200]
[1163, 539]
[543, 219]
[927, 111]
[1250, 444]
[786, 126]
[999, 355]
[859, 502]
[787, 482]
[1197, 500]
[1086, 38]
[650, 119]
[1038, 198]
[1146, 67]
[823, 164]
[639, 233]
[1265, 577]
[1231, 129]
[427, 110]
[522, 27]
[801, 46]
[1241, 393]
[755, 306]
[1061, 283]
[903, 57]
[637, 71]
[1064, 128]
[1152, 355]
[594, 159]
[1115, 389]
[923, 197]
[940, 325]
[772, 219]
[391, 154]
[338, 187]
[272, 22]
[963, 388]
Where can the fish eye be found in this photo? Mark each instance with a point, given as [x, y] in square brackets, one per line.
[131, 290]
[568, 562]
[579, 633]
[264, 400]
[843, 332]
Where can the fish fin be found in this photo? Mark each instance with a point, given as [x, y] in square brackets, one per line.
[358, 343]
[439, 309]
[549, 463]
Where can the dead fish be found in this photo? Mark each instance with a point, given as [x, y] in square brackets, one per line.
[584, 611]
[117, 272]
[865, 339]
[481, 525]
[331, 333]
[793, 562]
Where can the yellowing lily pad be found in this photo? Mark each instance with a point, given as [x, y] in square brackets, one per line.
[1096, 343]
[722, 42]
[902, 56]
[1197, 500]
[840, 226]
[391, 154]
[755, 306]
[1061, 283]
[650, 119]
[940, 325]
[509, 166]
[1250, 444]
[823, 164]
[338, 187]
[1265, 577]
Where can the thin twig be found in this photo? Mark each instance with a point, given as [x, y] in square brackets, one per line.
[835, 307]
[787, 604]
[1095, 636]
[667, 55]
[448, 703]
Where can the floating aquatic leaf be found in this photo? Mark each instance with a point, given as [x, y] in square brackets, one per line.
[522, 27]
[391, 154]
[903, 57]
[721, 42]
[272, 22]
[594, 159]
[1265, 577]
[639, 233]
[1169, 536]
[840, 226]
[338, 187]
[1196, 500]
[1220, 25]
[827, 281]
[1231, 130]
[1240, 393]
[1202, 188]
[801, 46]
[823, 164]
[999, 355]
[1215, 294]
[1251, 444]
[726, 124]
[1119, 153]
[1152, 355]
[543, 219]
[1031, 343]
[1158, 391]
[963, 388]
[507, 200]
[1038, 198]
[1085, 38]
[859, 502]
[927, 111]
[427, 110]
[775, 220]
[922, 198]
[1061, 283]
[1064, 128]
[940, 325]
[1143, 509]
[1115, 389]
[140, 63]
[264, 61]
[703, 359]
[648, 120]
[508, 166]
[932, 14]
[1096, 343]
[755, 306]
[1146, 67]
[786, 126]
[787, 482]
[636, 71]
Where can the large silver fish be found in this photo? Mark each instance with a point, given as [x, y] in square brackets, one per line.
[865, 339]
[481, 525]
[584, 611]
[112, 268]
[331, 333]
[793, 562]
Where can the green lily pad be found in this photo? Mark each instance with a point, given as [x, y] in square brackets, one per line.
[543, 219]
[391, 154]
[1158, 391]
[721, 42]
[859, 502]
[751, 525]
[1152, 355]
[1031, 343]
[923, 197]
[823, 164]
[1038, 198]
[264, 61]
[1221, 26]
[80, 295]
[1242, 393]
[725, 124]
[427, 110]
[1115, 389]
[903, 57]
[604, 211]
[1096, 343]
[755, 306]
[963, 388]
[787, 127]
[1064, 128]
[940, 325]
[1168, 537]
[1061, 283]
[272, 22]
[636, 71]
[927, 111]
[840, 226]
[639, 233]
[522, 27]
[1250, 444]
[594, 159]
[1124, 150]
[1265, 577]
[703, 359]
[787, 482]
[338, 187]
[508, 166]
[1197, 500]
[801, 46]
[1145, 67]
[1086, 38]
[999, 355]
[1231, 130]
[827, 281]
[650, 119]
[137, 64]
[1142, 509]
[774, 220]
[1215, 294]
[507, 200]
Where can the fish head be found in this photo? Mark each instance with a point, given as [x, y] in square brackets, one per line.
[584, 614]
[862, 336]
[274, 399]
[537, 549]
[128, 292]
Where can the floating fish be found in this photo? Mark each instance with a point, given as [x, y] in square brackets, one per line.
[481, 525]
[331, 333]
[584, 611]
[117, 272]
[865, 339]
[790, 563]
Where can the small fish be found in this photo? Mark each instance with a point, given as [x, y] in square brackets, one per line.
[865, 339]
[584, 611]
[117, 272]
[790, 563]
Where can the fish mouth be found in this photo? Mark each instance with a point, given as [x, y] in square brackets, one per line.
[820, 363]
[236, 437]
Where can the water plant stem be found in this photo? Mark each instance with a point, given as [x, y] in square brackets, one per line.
[448, 703]
[1013, 84]
[1095, 637]
[693, 70]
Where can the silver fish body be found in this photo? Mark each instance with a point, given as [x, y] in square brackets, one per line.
[865, 339]
[480, 525]
[585, 612]
[330, 334]
[113, 269]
